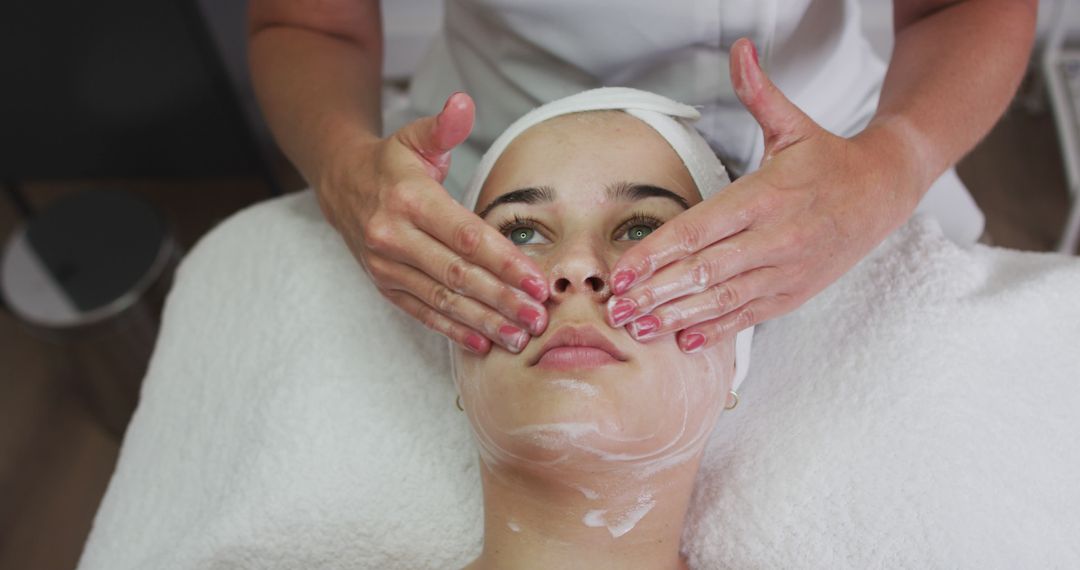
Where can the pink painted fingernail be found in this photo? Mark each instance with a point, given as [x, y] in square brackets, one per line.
[513, 337]
[620, 310]
[534, 318]
[644, 326]
[692, 342]
[622, 280]
[476, 343]
[446, 105]
[535, 288]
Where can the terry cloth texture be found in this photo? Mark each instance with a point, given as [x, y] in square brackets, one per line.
[919, 413]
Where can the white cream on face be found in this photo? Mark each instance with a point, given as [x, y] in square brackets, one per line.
[582, 388]
[678, 396]
[587, 492]
[692, 388]
[623, 521]
[632, 420]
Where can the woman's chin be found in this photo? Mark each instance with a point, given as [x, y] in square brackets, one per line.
[570, 437]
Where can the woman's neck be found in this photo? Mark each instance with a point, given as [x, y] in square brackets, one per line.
[614, 520]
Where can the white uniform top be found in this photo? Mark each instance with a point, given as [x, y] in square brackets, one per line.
[514, 55]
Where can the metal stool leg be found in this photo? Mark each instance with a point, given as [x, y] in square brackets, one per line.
[1071, 235]
[1062, 102]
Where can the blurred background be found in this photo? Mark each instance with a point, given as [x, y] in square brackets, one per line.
[128, 129]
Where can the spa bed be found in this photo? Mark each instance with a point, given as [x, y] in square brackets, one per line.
[920, 413]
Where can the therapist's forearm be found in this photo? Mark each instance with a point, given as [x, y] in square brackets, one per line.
[953, 72]
[319, 93]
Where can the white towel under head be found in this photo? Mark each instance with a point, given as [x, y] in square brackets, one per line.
[672, 120]
[301, 421]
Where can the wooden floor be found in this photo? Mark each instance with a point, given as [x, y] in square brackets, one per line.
[56, 459]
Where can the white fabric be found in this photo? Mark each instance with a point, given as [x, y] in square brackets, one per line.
[948, 202]
[672, 120]
[920, 413]
[512, 56]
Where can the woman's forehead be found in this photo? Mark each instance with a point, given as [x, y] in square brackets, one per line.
[588, 153]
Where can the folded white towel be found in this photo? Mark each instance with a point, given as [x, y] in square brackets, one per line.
[920, 413]
[672, 120]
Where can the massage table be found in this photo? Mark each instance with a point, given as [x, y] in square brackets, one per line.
[921, 412]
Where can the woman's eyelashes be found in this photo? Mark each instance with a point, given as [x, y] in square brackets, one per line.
[522, 231]
[637, 227]
[528, 231]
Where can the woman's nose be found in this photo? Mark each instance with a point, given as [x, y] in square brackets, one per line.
[581, 273]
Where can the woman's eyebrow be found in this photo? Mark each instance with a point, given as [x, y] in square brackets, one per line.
[524, 195]
[619, 191]
[630, 192]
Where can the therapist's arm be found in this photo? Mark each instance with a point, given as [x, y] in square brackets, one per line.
[954, 68]
[819, 203]
[317, 70]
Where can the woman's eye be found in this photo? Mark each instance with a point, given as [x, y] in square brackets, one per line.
[637, 232]
[524, 236]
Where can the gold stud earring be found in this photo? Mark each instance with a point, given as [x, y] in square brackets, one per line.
[735, 396]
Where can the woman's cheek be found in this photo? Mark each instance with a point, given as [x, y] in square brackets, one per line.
[676, 392]
[471, 373]
[665, 402]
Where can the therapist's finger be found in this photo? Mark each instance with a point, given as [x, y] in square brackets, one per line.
[462, 309]
[432, 138]
[439, 323]
[481, 245]
[757, 311]
[683, 235]
[459, 275]
[710, 304]
[693, 274]
[782, 122]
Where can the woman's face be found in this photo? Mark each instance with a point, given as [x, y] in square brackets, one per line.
[574, 193]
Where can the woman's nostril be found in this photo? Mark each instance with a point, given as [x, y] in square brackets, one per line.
[588, 285]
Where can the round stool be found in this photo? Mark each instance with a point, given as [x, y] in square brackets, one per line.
[90, 273]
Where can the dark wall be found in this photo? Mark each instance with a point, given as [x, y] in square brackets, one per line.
[115, 88]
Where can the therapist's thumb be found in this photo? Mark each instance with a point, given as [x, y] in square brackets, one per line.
[432, 138]
[782, 123]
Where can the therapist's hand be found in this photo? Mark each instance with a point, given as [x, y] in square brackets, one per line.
[425, 252]
[773, 238]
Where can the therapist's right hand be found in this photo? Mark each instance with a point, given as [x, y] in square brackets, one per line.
[426, 253]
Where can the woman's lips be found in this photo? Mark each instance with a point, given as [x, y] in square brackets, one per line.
[574, 358]
[575, 347]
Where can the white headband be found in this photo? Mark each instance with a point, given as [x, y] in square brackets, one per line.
[674, 121]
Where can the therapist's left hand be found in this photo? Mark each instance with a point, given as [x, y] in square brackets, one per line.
[775, 237]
